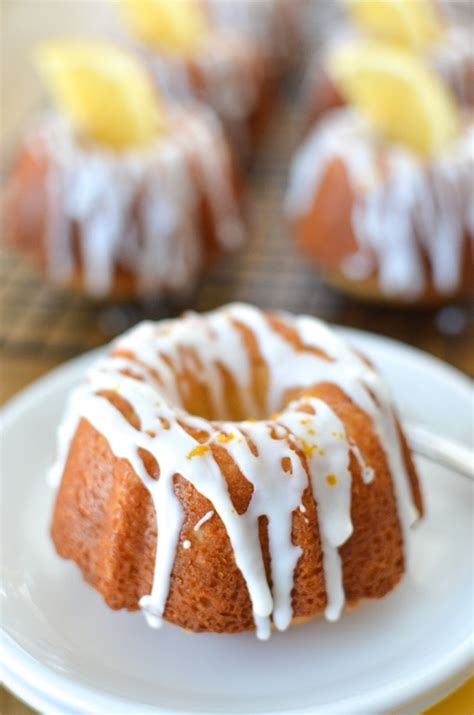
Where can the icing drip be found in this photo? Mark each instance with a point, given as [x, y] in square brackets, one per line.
[59, 252]
[271, 23]
[329, 456]
[305, 447]
[215, 176]
[228, 66]
[367, 472]
[453, 58]
[403, 208]
[139, 210]
[208, 515]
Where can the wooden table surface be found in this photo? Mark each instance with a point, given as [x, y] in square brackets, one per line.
[41, 326]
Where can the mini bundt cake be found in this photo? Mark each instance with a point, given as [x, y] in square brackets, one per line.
[380, 192]
[449, 51]
[452, 57]
[234, 470]
[191, 57]
[119, 220]
[380, 221]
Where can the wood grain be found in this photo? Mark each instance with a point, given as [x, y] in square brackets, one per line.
[10, 705]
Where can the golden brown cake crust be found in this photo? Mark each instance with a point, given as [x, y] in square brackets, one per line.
[25, 221]
[325, 233]
[104, 520]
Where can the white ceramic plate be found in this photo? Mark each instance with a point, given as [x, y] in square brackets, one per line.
[65, 651]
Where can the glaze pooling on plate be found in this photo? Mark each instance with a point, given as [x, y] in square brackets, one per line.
[305, 444]
[137, 209]
[403, 207]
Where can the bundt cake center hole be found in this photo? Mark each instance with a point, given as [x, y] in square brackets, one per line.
[197, 401]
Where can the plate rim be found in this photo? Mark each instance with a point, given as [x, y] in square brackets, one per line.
[31, 680]
[28, 680]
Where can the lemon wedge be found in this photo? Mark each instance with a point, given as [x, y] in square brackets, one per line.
[413, 24]
[105, 92]
[405, 101]
[177, 26]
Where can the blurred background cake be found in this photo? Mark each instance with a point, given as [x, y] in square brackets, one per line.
[213, 53]
[212, 69]
[277, 26]
[132, 196]
[442, 39]
[380, 193]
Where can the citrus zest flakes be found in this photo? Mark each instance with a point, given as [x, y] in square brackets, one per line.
[198, 451]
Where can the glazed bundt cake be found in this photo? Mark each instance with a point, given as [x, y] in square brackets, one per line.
[192, 57]
[234, 470]
[443, 41]
[124, 224]
[120, 199]
[452, 58]
[380, 192]
[380, 221]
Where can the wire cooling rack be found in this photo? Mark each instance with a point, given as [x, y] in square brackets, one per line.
[40, 321]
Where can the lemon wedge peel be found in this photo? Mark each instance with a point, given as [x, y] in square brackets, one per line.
[175, 26]
[105, 92]
[413, 24]
[405, 101]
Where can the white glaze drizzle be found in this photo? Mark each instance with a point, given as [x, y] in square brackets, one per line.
[367, 473]
[402, 205]
[208, 515]
[278, 473]
[228, 64]
[453, 58]
[271, 23]
[139, 209]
